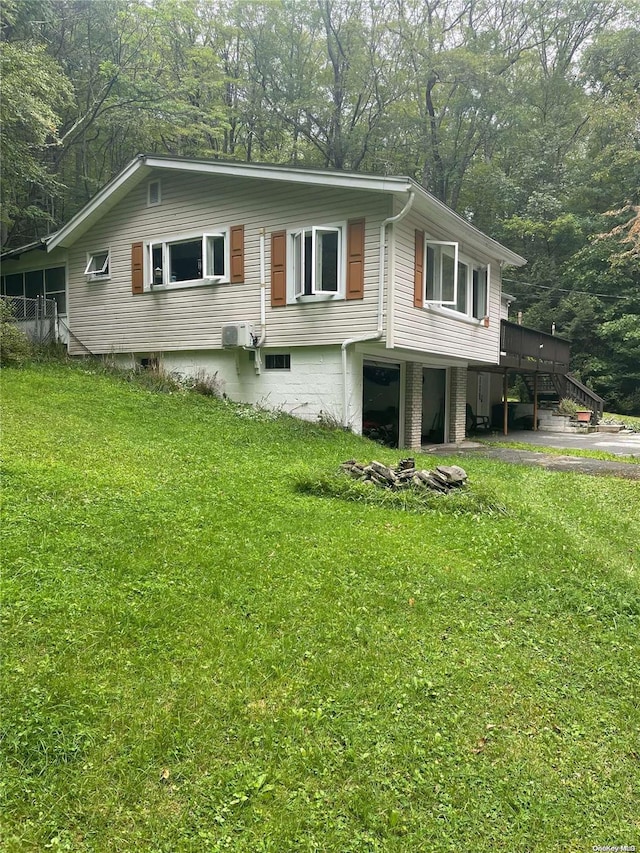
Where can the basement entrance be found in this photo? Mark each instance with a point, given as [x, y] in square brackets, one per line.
[381, 402]
[434, 397]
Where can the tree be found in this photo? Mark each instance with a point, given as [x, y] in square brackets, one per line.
[34, 92]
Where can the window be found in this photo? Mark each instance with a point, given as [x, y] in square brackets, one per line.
[153, 193]
[317, 261]
[442, 273]
[446, 278]
[277, 361]
[463, 290]
[54, 287]
[193, 259]
[480, 295]
[49, 283]
[97, 264]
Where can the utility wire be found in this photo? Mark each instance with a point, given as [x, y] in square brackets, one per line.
[563, 290]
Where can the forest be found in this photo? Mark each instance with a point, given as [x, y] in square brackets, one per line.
[522, 115]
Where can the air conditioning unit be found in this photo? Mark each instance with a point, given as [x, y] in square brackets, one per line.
[237, 335]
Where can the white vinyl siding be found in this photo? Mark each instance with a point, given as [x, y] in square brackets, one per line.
[443, 331]
[191, 318]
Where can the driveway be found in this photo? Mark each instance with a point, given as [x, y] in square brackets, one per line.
[620, 444]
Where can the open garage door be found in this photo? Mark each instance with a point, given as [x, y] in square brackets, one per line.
[381, 402]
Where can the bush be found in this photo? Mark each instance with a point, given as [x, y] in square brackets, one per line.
[14, 345]
[566, 406]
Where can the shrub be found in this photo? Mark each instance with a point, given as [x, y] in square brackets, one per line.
[567, 406]
[204, 383]
[14, 345]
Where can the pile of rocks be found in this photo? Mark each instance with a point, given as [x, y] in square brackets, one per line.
[442, 479]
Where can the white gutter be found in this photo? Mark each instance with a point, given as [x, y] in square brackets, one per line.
[377, 335]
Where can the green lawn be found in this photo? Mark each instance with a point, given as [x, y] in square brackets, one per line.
[199, 655]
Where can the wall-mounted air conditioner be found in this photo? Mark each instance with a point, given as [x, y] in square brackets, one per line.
[237, 335]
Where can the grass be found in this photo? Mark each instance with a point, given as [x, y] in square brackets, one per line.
[630, 421]
[210, 646]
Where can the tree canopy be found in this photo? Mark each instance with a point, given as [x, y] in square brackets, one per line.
[522, 116]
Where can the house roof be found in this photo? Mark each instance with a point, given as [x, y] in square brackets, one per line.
[143, 165]
[22, 250]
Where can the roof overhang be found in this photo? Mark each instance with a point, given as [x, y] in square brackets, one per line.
[144, 165]
[22, 250]
[448, 220]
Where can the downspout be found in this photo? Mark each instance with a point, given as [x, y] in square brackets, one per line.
[377, 335]
[263, 301]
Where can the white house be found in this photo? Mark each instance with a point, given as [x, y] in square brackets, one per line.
[355, 297]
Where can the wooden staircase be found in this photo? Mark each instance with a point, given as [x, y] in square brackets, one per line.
[584, 396]
[555, 386]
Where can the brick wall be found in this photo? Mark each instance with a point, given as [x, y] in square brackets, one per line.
[413, 410]
[458, 404]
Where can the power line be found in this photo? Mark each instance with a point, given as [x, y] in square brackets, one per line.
[563, 290]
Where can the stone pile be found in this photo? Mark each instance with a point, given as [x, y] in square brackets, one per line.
[442, 479]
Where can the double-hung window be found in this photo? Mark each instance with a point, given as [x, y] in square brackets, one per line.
[97, 264]
[317, 261]
[197, 259]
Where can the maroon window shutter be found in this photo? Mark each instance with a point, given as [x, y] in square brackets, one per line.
[418, 280]
[355, 259]
[278, 269]
[137, 268]
[237, 253]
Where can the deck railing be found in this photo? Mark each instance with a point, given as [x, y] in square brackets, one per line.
[526, 349]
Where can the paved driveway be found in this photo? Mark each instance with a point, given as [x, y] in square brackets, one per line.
[621, 444]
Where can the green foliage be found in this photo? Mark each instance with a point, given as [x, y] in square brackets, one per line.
[199, 656]
[15, 348]
[628, 421]
[567, 406]
[34, 90]
[470, 499]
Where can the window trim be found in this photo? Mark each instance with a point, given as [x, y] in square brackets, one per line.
[102, 274]
[165, 243]
[295, 280]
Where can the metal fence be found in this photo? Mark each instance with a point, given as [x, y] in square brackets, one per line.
[37, 318]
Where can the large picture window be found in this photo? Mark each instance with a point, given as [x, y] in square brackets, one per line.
[317, 261]
[191, 259]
